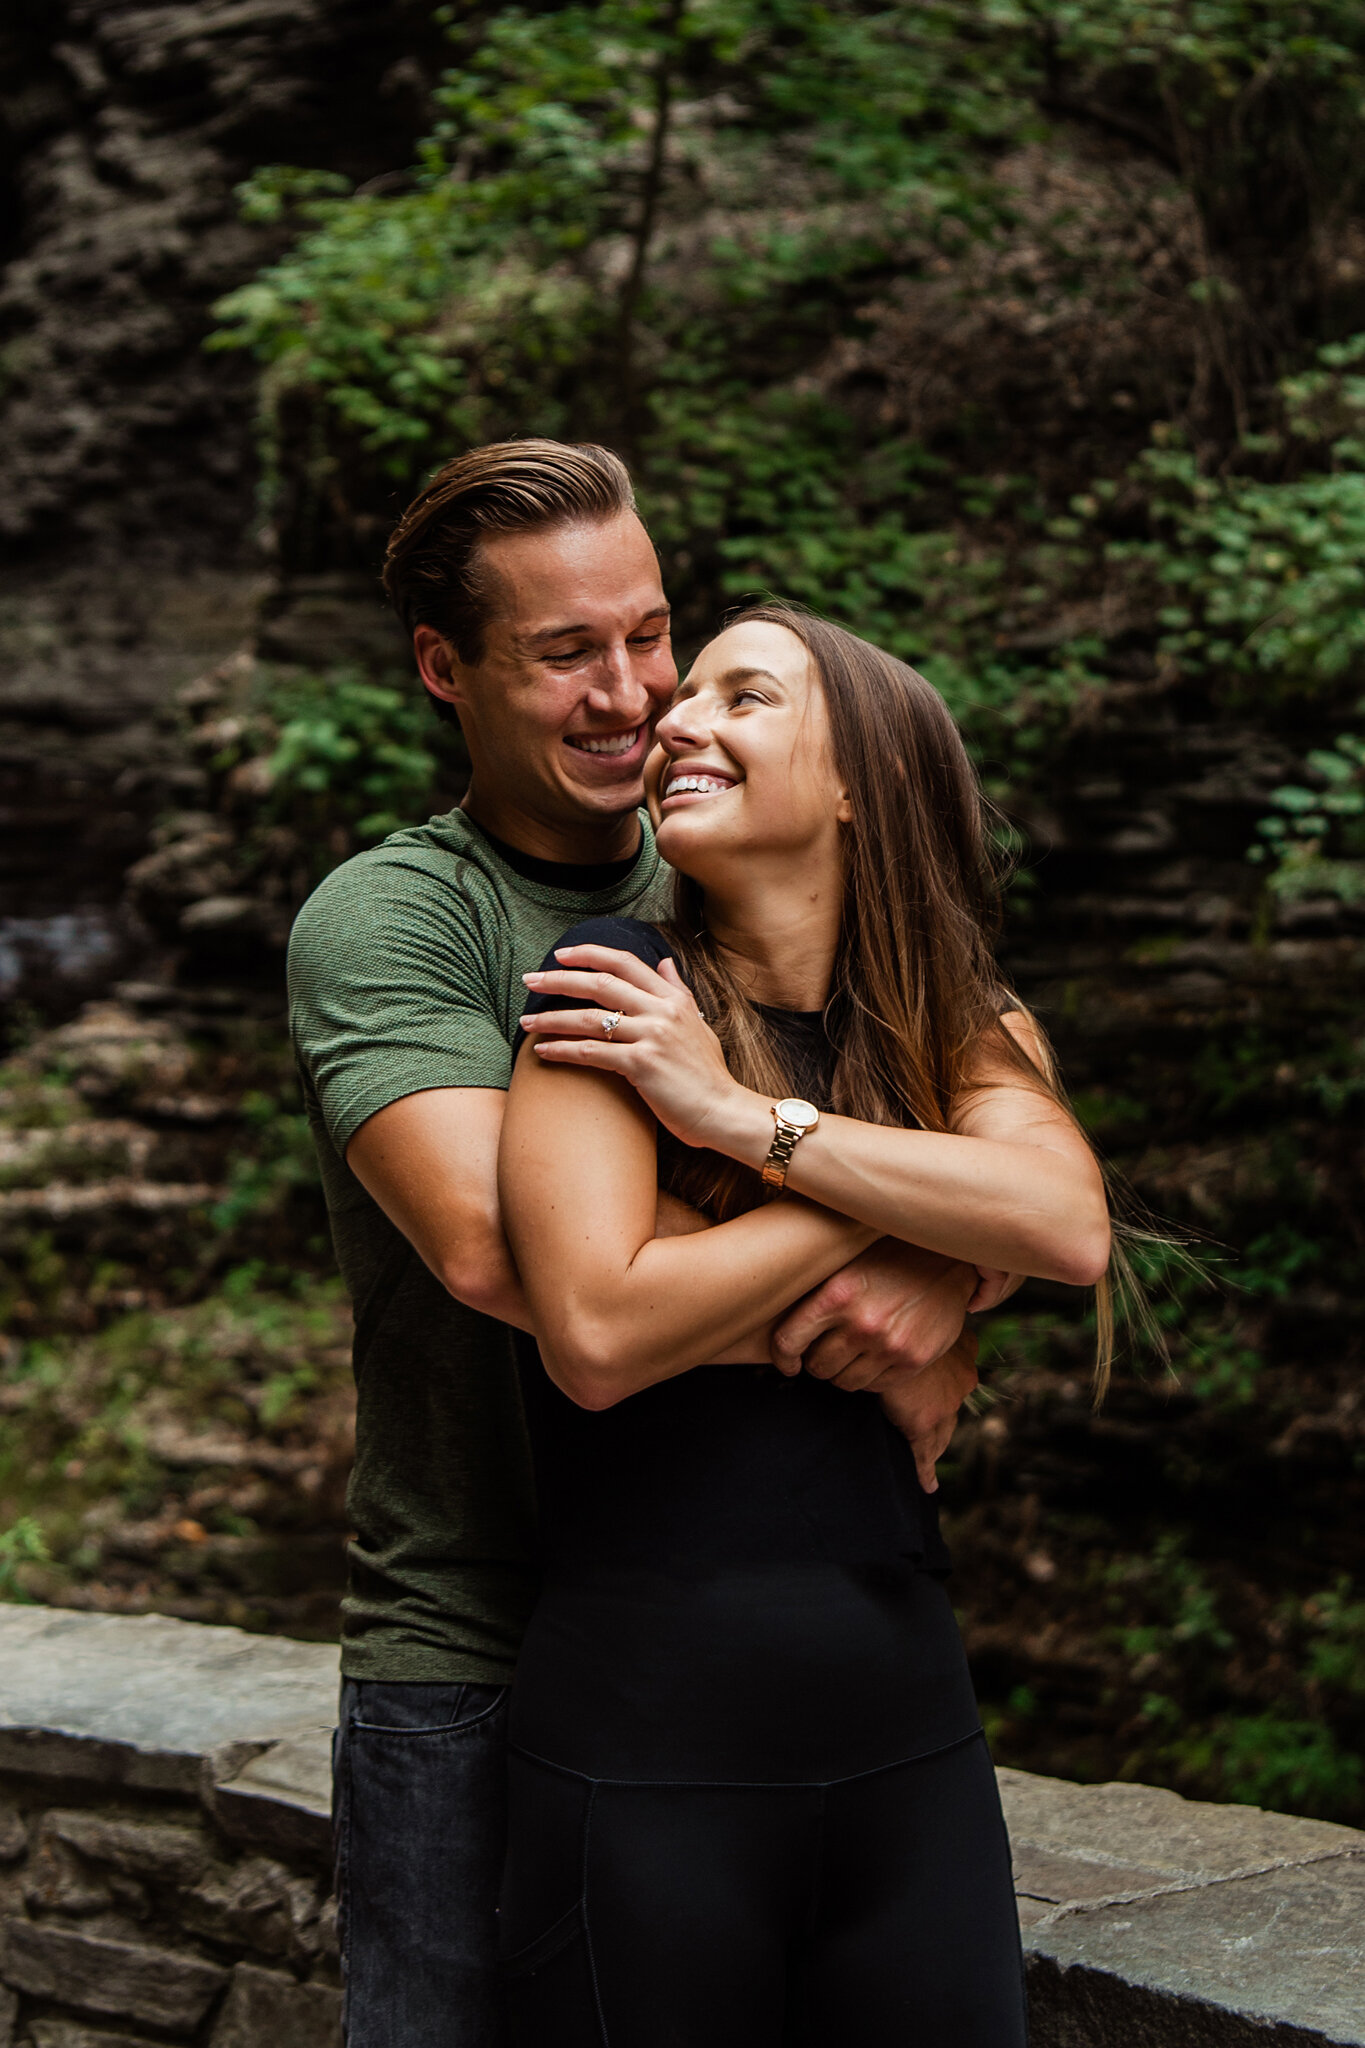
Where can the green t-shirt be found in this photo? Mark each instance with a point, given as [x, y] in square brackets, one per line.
[405, 973]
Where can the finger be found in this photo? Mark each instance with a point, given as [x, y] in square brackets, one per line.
[798, 1330]
[668, 971]
[608, 991]
[990, 1288]
[926, 1460]
[610, 960]
[583, 1052]
[827, 1357]
[859, 1374]
[578, 1024]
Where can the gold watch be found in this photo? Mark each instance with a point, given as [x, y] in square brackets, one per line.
[793, 1119]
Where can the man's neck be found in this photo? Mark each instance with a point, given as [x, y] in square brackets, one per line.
[591, 842]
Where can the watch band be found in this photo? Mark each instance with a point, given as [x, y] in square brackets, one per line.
[786, 1137]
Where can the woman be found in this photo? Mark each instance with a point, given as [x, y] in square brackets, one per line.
[751, 1803]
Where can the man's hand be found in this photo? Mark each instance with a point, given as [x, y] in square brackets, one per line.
[895, 1309]
[992, 1288]
[924, 1404]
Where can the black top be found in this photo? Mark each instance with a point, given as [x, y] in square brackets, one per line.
[742, 1572]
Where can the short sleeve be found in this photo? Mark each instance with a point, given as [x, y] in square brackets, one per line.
[390, 993]
[626, 934]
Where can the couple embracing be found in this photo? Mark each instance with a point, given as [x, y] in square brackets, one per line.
[672, 1117]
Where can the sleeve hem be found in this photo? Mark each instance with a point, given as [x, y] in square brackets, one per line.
[345, 1120]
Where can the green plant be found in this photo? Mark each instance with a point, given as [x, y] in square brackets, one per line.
[22, 1543]
[1271, 1759]
[1294, 836]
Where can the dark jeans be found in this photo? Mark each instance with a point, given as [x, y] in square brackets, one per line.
[419, 1807]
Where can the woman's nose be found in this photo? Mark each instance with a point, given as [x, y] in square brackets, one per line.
[680, 728]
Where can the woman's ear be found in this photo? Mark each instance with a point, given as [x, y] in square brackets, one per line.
[843, 810]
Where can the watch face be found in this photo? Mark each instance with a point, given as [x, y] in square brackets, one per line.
[795, 1111]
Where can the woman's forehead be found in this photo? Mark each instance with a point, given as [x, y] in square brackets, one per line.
[753, 644]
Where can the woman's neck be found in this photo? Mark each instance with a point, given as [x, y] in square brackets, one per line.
[780, 938]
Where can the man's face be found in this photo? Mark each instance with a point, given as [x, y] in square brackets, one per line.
[577, 665]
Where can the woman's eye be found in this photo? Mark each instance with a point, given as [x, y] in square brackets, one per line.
[749, 696]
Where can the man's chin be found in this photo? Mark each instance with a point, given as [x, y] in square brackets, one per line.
[606, 796]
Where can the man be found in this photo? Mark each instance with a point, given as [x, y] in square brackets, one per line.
[532, 594]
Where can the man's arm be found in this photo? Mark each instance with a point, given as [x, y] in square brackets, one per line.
[430, 1160]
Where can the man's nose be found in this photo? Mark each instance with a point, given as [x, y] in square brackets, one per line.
[615, 686]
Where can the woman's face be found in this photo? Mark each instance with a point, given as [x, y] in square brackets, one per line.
[743, 767]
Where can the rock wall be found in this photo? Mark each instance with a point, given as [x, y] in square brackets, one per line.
[127, 469]
[164, 1844]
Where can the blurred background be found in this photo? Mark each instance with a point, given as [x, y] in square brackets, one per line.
[1029, 340]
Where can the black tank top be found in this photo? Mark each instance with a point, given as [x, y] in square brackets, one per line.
[742, 1574]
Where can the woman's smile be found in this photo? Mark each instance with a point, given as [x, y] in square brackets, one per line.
[683, 786]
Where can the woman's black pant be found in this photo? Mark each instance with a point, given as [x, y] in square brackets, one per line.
[877, 1912]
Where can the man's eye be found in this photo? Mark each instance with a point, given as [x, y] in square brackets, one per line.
[647, 639]
[567, 654]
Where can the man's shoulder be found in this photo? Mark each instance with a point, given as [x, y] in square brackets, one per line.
[424, 865]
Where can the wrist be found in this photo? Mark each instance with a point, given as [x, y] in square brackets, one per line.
[742, 1128]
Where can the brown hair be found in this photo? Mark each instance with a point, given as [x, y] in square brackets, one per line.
[432, 569]
[916, 994]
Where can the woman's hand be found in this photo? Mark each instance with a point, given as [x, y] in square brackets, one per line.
[662, 1045]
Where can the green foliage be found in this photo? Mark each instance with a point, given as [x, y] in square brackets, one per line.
[1305, 821]
[368, 749]
[85, 1414]
[486, 292]
[1271, 1760]
[276, 1160]
[22, 1543]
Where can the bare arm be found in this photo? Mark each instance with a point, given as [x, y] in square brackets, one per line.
[430, 1160]
[431, 1163]
[1013, 1185]
[615, 1307]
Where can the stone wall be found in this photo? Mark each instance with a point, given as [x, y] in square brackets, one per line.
[164, 1836]
[164, 1847]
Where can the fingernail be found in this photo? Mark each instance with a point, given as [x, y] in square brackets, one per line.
[532, 979]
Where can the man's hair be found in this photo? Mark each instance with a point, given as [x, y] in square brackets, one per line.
[432, 570]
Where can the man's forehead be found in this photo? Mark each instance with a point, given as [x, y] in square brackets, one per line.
[587, 576]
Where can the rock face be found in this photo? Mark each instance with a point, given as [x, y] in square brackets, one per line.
[126, 129]
[127, 474]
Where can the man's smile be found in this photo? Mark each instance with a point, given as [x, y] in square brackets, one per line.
[604, 743]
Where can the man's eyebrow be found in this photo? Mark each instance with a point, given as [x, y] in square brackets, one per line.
[549, 633]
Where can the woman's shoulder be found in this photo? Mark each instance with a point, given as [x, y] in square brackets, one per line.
[624, 934]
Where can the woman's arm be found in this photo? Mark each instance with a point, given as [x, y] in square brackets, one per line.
[1014, 1185]
[616, 1308]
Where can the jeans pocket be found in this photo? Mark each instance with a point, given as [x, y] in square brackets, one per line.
[551, 1994]
[408, 1709]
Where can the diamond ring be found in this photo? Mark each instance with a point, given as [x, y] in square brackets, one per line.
[610, 1020]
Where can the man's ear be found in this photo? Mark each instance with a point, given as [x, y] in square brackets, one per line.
[439, 666]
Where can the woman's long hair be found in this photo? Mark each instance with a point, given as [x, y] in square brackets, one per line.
[916, 996]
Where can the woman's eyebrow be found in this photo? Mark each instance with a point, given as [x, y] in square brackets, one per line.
[744, 675]
[687, 687]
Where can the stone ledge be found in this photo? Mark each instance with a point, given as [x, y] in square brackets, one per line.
[1152, 1919]
[148, 1702]
[1149, 1921]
